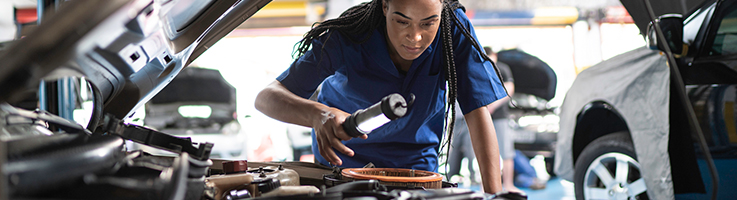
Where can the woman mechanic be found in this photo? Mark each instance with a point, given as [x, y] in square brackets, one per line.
[391, 46]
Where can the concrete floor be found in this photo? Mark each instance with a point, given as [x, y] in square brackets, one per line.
[555, 189]
[561, 189]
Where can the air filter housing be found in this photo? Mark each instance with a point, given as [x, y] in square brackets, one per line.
[396, 177]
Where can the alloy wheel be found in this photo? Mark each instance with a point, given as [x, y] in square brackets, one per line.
[614, 175]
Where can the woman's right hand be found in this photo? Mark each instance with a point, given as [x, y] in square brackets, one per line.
[329, 132]
[278, 102]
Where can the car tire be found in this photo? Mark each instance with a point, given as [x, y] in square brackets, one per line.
[608, 169]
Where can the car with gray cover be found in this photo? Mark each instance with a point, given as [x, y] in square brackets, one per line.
[639, 126]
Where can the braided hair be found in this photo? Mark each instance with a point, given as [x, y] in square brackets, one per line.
[358, 22]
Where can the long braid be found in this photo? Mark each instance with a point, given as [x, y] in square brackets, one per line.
[449, 8]
[447, 41]
[478, 48]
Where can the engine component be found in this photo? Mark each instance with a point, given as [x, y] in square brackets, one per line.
[155, 138]
[232, 167]
[254, 180]
[265, 185]
[396, 177]
[38, 171]
[284, 175]
[224, 184]
[292, 190]
[238, 194]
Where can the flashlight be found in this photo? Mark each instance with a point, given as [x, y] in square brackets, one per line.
[364, 121]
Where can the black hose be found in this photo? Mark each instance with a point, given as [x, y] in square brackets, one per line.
[62, 165]
[96, 108]
[367, 185]
[686, 103]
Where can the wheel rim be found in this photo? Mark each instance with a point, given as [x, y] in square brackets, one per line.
[614, 176]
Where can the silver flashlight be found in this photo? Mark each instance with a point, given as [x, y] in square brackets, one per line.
[364, 121]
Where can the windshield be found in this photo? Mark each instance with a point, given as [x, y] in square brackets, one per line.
[693, 24]
[725, 41]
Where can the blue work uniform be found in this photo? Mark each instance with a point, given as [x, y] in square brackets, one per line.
[355, 76]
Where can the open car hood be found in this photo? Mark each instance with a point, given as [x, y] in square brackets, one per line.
[213, 92]
[638, 11]
[128, 49]
[531, 75]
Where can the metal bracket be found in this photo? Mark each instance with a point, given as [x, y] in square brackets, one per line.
[156, 139]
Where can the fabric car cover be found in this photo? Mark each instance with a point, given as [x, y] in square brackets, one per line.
[531, 75]
[636, 84]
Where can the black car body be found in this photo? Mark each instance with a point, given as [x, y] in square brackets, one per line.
[623, 132]
[532, 119]
[200, 104]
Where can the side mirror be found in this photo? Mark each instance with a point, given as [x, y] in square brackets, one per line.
[672, 27]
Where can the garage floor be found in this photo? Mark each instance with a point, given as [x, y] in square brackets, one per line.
[556, 189]
[561, 189]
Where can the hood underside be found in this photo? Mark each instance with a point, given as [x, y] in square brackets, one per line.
[128, 49]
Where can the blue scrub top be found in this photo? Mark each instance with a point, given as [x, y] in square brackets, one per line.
[355, 76]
